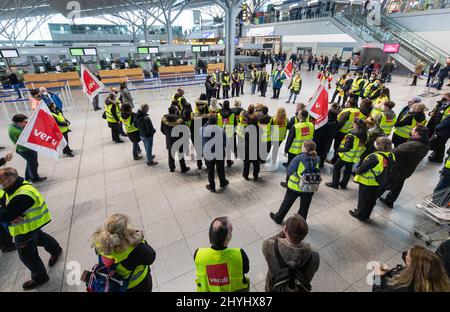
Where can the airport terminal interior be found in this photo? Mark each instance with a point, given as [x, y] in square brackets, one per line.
[136, 50]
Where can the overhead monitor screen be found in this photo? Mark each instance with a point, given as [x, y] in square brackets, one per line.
[90, 51]
[143, 50]
[9, 53]
[76, 51]
[196, 48]
[391, 47]
[204, 48]
[153, 50]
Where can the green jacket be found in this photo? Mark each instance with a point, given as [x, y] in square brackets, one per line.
[14, 133]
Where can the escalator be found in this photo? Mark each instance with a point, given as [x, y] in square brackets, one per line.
[412, 46]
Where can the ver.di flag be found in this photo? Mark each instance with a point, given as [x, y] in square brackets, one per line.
[318, 105]
[91, 85]
[42, 133]
[288, 69]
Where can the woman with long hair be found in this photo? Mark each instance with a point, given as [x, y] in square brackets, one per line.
[117, 243]
[378, 104]
[278, 132]
[306, 160]
[424, 272]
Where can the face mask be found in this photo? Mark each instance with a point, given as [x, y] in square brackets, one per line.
[45, 93]
[375, 84]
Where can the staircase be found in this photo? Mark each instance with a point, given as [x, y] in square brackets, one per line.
[412, 46]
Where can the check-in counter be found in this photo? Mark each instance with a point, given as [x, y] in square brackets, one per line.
[212, 67]
[173, 71]
[51, 80]
[120, 75]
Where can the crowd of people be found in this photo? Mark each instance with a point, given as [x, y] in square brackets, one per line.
[380, 148]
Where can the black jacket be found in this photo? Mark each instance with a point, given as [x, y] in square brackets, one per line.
[349, 140]
[144, 124]
[168, 122]
[443, 251]
[407, 119]
[210, 88]
[442, 130]
[369, 163]
[409, 154]
[434, 69]
[17, 206]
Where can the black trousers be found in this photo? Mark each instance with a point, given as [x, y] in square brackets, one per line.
[67, 149]
[27, 247]
[393, 194]
[367, 198]
[5, 237]
[172, 161]
[219, 165]
[241, 84]
[354, 96]
[437, 145]
[414, 81]
[115, 131]
[263, 89]
[235, 91]
[31, 170]
[289, 198]
[256, 168]
[397, 140]
[337, 173]
[338, 137]
[430, 78]
[336, 92]
[225, 92]
[218, 92]
[276, 93]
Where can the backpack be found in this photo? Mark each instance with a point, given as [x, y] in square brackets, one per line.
[392, 175]
[310, 179]
[105, 279]
[288, 279]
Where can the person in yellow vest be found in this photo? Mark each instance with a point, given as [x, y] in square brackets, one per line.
[117, 243]
[345, 124]
[226, 81]
[372, 177]
[349, 152]
[404, 126]
[295, 86]
[179, 97]
[251, 144]
[241, 75]
[265, 127]
[365, 108]
[387, 118]
[263, 82]
[339, 91]
[227, 121]
[235, 85]
[220, 268]
[278, 132]
[378, 103]
[112, 111]
[306, 160]
[128, 118]
[373, 90]
[294, 120]
[255, 79]
[298, 134]
[25, 212]
[357, 87]
[63, 125]
[444, 179]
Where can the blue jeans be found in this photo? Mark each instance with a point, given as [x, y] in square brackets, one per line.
[31, 172]
[295, 96]
[148, 144]
[254, 84]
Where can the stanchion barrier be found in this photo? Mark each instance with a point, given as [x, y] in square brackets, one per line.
[24, 101]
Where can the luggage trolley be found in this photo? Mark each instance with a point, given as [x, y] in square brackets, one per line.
[437, 208]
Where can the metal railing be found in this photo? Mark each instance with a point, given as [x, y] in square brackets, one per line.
[413, 47]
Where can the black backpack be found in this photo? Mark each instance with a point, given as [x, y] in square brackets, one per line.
[393, 174]
[288, 279]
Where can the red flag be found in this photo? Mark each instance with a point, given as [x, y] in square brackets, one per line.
[318, 105]
[42, 134]
[288, 69]
[91, 85]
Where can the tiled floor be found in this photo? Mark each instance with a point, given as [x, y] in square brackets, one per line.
[175, 210]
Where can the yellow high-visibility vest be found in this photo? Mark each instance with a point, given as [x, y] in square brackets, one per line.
[304, 131]
[34, 217]
[353, 155]
[129, 127]
[368, 178]
[59, 116]
[387, 124]
[220, 270]
[279, 132]
[109, 116]
[294, 179]
[354, 113]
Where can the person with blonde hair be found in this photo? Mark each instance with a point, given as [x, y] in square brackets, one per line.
[306, 160]
[117, 243]
[424, 272]
[279, 131]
